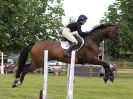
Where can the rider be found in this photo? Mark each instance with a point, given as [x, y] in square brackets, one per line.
[76, 26]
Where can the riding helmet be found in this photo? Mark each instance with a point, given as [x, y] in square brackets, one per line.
[82, 17]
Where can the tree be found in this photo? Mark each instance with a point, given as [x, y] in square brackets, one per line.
[24, 21]
[120, 13]
[72, 19]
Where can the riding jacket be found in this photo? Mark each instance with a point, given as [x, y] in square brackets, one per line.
[76, 26]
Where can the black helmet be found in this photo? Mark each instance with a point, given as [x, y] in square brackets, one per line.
[82, 17]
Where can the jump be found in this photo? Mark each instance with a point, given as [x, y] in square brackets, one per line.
[88, 53]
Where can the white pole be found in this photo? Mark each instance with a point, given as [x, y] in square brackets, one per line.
[71, 77]
[45, 82]
[103, 50]
[2, 64]
[68, 75]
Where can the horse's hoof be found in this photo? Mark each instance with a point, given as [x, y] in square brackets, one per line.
[111, 79]
[105, 79]
[13, 86]
[16, 83]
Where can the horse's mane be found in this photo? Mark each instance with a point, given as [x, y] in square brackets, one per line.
[101, 26]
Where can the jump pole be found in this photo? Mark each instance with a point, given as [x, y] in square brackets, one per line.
[2, 64]
[70, 75]
[45, 79]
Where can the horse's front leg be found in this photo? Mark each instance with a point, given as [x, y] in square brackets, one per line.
[109, 75]
[108, 72]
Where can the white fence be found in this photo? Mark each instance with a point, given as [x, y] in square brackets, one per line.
[2, 64]
[70, 76]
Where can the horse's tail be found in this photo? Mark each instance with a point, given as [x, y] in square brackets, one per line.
[22, 59]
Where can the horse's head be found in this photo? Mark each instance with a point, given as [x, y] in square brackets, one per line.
[102, 31]
[113, 34]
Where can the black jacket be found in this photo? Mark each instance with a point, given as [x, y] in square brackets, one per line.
[76, 26]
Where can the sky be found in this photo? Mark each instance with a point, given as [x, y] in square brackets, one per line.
[93, 9]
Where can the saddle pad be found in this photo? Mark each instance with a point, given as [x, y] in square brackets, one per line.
[64, 44]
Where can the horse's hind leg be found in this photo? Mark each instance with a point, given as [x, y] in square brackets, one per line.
[28, 68]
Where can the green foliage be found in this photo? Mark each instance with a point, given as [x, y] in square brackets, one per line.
[24, 21]
[121, 13]
[72, 19]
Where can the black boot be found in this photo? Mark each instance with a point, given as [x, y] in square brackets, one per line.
[68, 52]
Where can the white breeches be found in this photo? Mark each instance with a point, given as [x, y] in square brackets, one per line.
[68, 35]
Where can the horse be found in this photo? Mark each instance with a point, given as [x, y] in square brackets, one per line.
[88, 53]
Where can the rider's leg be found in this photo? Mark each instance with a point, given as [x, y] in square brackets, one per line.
[67, 53]
[68, 35]
[71, 47]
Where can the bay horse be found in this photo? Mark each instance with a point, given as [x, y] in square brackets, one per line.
[88, 53]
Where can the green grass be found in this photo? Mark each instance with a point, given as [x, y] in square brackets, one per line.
[84, 87]
[123, 64]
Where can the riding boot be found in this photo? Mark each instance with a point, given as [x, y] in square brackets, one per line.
[68, 52]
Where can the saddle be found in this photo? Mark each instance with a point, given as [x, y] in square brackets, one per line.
[65, 43]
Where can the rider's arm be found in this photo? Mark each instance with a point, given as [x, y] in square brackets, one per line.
[80, 31]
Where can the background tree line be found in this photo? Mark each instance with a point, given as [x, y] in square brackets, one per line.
[121, 13]
[25, 21]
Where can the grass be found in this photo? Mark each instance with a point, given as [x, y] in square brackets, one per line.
[84, 87]
[123, 64]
